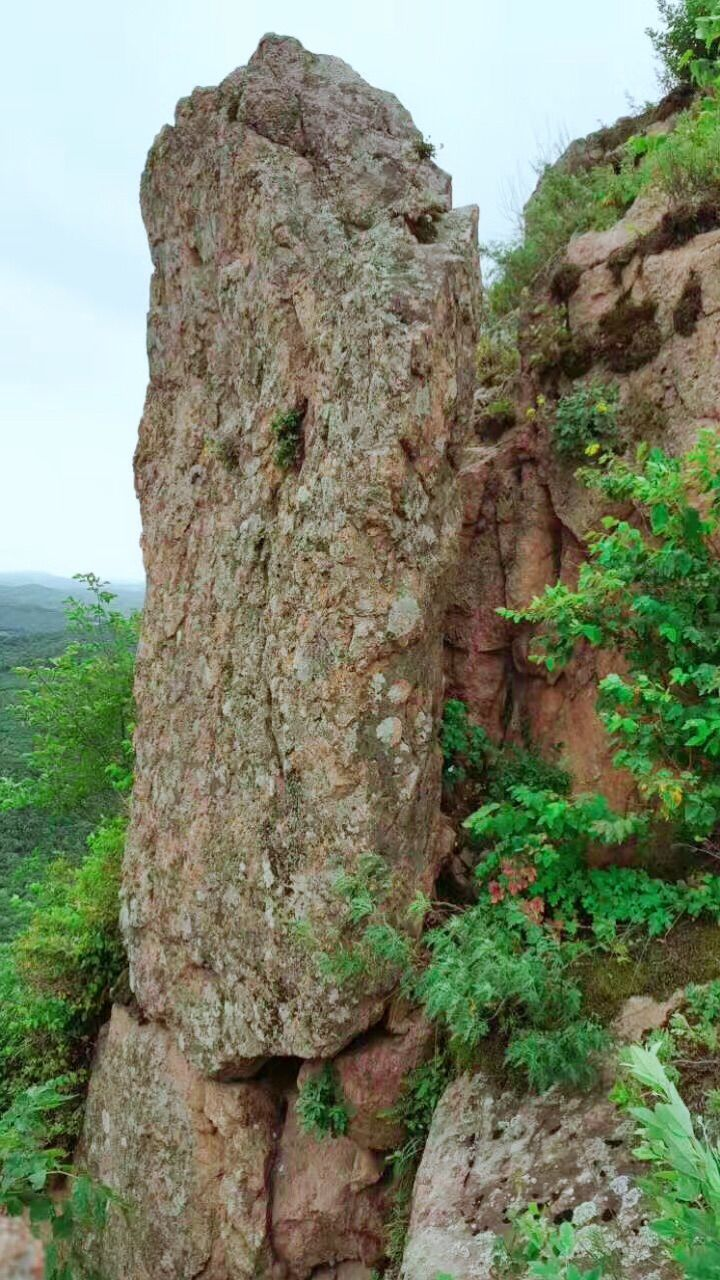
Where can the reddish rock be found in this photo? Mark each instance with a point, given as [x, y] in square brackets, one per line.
[371, 1076]
[21, 1255]
[191, 1158]
[328, 1203]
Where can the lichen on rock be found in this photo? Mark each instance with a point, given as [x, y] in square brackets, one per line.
[288, 278]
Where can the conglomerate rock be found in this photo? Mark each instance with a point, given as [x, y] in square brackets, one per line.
[492, 1153]
[308, 267]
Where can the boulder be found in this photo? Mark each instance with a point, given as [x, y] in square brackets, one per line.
[311, 341]
[491, 1153]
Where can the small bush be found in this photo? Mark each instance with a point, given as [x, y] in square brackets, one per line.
[493, 967]
[321, 1108]
[287, 428]
[498, 357]
[57, 974]
[585, 418]
[465, 746]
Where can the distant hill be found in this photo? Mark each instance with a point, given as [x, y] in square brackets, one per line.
[32, 603]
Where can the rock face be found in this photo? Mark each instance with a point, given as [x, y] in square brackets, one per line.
[308, 270]
[490, 1153]
[641, 312]
[21, 1256]
[192, 1158]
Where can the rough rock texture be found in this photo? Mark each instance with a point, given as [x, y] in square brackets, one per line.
[193, 1158]
[489, 1154]
[290, 672]
[21, 1256]
[371, 1075]
[642, 313]
[329, 1201]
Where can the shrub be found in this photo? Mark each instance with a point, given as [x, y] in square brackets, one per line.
[493, 967]
[57, 974]
[684, 1183]
[287, 428]
[80, 711]
[465, 745]
[651, 591]
[28, 1168]
[321, 1108]
[585, 418]
[498, 357]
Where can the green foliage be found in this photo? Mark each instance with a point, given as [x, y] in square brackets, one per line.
[424, 149]
[469, 754]
[684, 1183]
[651, 591]
[585, 418]
[415, 1109]
[536, 850]
[321, 1107]
[494, 967]
[684, 163]
[287, 427]
[678, 37]
[29, 1167]
[498, 357]
[56, 975]
[79, 711]
[465, 746]
[378, 945]
[564, 203]
[535, 1247]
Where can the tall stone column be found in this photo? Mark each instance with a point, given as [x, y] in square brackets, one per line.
[311, 344]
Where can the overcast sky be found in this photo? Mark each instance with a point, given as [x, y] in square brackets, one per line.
[85, 86]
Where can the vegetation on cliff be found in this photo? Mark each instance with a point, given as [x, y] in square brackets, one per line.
[65, 953]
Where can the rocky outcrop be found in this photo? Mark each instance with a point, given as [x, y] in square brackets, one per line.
[639, 309]
[491, 1153]
[311, 341]
[312, 283]
[189, 1159]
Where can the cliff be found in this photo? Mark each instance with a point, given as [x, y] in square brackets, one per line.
[336, 500]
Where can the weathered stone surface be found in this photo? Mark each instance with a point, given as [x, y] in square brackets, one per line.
[490, 1154]
[290, 670]
[329, 1201]
[371, 1076]
[21, 1256]
[645, 307]
[191, 1157]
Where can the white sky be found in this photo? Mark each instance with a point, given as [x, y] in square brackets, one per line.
[85, 86]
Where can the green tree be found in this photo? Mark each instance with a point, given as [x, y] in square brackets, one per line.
[79, 709]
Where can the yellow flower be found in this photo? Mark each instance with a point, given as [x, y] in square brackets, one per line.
[541, 401]
[530, 413]
[601, 407]
[592, 449]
